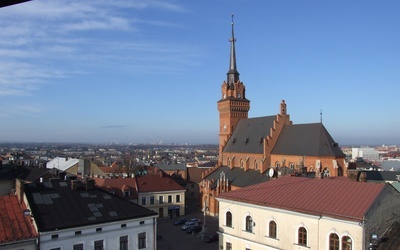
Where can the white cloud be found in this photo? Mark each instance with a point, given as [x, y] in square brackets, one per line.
[48, 39]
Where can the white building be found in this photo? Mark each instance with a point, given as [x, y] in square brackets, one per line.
[368, 154]
[76, 215]
[303, 213]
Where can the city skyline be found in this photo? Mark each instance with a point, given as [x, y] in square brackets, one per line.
[151, 71]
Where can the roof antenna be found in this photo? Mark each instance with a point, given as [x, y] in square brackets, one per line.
[320, 114]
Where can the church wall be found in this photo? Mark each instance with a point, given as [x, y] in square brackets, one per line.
[250, 160]
[296, 161]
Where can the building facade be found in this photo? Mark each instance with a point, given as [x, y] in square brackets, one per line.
[304, 213]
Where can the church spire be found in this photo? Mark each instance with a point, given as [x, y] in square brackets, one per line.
[233, 74]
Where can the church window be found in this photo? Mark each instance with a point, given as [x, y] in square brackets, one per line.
[302, 236]
[228, 219]
[326, 172]
[241, 163]
[346, 243]
[333, 241]
[255, 165]
[291, 165]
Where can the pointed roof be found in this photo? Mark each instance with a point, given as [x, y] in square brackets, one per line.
[306, 140]
[336, 197]
[233, 74]
[248, 134]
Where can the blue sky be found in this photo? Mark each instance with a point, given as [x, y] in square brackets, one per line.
[150, 71]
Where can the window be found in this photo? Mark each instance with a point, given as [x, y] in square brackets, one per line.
[333, 241]
[178, 198]
[255, 165]
[169, 198]
[78, 246]
[326, 172]
[151, 200]
[56, 248]
[272, 229]
[346, 243]
[161, 200]
[143, 200]
[142, 240]
[123, 242]
[291, 165]
[141, 222]
[123, 225]
[228, 219]
[78, 232]
[98, 245]
[302, 236]
[241, 163]
[99, 229]
[228, 246]
[249, 224]
[277, 164]
[54, 236]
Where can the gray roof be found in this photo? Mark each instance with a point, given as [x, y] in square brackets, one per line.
[171, 166]
[380, 176]
[56, 206]
[238, 177]
[248, 134]
[306, 140]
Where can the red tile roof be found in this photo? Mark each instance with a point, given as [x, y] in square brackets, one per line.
[118, 185]
[14, 225]
[156, 183]
[334, 197]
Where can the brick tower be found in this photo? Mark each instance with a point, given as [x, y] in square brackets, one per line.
[233, 104]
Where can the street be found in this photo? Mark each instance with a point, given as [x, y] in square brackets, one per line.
[174, 238]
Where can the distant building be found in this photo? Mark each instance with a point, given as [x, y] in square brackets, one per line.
[161, 194]
[368, 154]
[157, 192]
[77, 215]
[303, 213]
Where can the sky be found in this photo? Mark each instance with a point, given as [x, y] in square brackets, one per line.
[150, 71]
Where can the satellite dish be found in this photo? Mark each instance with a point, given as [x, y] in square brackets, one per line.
[271, 172]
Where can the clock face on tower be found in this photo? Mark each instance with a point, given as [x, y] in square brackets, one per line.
[225, 96]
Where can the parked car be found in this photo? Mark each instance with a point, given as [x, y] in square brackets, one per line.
[211, 238]
[188, 224]
[196, 228]
[195, 220]
[181, 221]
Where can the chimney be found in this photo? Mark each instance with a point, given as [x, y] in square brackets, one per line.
[90, 184]
[73, 185]
[19, 186]
[161, 174]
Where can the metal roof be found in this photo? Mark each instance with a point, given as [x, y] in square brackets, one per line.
[336, 197]
[56, 206]
[306, 139]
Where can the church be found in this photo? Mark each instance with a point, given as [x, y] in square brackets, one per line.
[254, 150]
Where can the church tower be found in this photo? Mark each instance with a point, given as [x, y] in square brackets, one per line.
[233, 104]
